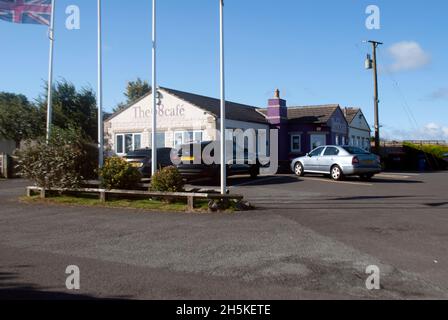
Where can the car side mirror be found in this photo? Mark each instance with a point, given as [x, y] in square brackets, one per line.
[308, 155]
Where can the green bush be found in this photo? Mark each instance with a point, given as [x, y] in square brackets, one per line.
[167, 180]
[119, 174]
[63, 162]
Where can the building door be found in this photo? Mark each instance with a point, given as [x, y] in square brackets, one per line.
[317, 140]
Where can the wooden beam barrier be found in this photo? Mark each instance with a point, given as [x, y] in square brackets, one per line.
[103, 194]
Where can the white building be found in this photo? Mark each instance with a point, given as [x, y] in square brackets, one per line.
[182, 118]
[359, 131]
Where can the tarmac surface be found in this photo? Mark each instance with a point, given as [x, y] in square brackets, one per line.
[310, 238]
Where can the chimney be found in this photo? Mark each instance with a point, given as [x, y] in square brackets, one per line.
[277, 110]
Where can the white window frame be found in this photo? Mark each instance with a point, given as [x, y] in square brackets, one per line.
[184, 132]
[123, 137]
[158, 145]
[295, 135]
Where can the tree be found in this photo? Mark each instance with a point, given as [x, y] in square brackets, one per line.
[19, 119]
[134, 90]
[72, 108]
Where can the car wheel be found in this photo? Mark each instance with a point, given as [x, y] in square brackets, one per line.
[299, 170]
[336, 173]
[367, 177]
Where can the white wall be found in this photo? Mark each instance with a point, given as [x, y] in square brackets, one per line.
[174, 115]
[359, 131]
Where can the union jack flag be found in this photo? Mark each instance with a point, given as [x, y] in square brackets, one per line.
[26, 11]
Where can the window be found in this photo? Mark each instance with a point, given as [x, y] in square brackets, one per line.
[160, 139]
[183, 137]
[331, 151]
[337, 140]
[317, 152]
[119, 144]
[296, 145]
[355, 150]
[128, 142]
[137, 141]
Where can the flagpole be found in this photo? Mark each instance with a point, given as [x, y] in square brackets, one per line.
[154, 91]
[223, 104]
[50, 72]
[100, 93]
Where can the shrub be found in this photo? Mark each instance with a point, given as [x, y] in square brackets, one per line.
[167, 180]
[119, 174]
[60, 163]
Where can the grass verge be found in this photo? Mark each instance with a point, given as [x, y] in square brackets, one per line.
[142, 204]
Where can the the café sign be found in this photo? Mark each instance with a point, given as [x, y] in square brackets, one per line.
[162, 111]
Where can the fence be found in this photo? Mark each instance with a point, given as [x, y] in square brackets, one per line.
[427, 142]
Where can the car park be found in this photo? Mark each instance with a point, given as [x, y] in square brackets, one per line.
[142, 160]
[190, 167]
[338, 162]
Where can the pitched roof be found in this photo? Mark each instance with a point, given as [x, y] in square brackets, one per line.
[350, 114]
[312, 114]
[319, 114]
[234, 111]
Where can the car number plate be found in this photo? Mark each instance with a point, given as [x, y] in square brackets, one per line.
[137, 165]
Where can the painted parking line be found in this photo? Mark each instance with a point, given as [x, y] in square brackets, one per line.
[339, 182]
[393, 176]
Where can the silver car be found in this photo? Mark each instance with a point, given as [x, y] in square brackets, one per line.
[338, 162]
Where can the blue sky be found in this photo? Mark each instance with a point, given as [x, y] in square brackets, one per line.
[311, 49]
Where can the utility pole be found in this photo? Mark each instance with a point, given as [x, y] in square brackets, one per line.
[372, 64]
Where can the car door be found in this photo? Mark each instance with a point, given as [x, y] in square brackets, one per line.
[328, 159]
[312, 161]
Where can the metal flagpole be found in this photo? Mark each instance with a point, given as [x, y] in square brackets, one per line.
[223, 104]
[154, 91]
[100, 93]
[50, 72]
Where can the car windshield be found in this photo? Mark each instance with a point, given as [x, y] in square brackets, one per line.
[355, 150]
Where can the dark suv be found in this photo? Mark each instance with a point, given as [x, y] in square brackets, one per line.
[191, 170]
[142, 159]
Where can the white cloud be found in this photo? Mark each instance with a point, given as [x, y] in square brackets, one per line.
[408, 55]
[430, 131]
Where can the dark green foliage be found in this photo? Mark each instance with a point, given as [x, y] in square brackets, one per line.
[167, 180]
[72, 108]
[134, 91]
[63, 162]
[432, 154]
[119, 174]
[19, 119]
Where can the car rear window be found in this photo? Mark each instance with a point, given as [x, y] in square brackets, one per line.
[355, 150]
[331, 151]
[139, 153]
